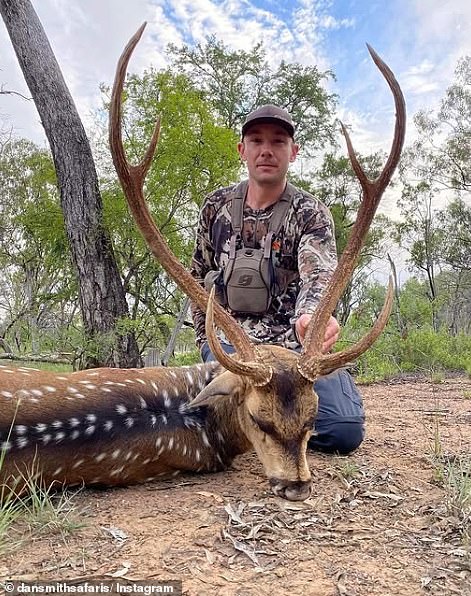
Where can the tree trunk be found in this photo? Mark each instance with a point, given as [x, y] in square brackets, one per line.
[102, 298]
[170, 349]
[400, 321]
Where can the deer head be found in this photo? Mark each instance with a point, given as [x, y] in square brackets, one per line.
[273, 387]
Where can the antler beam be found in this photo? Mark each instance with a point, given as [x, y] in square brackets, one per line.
[313, 362]
[132, 179]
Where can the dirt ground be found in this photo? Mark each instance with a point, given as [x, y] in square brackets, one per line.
[379, 522]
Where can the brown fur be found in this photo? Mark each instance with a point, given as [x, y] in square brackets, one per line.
[116, 427]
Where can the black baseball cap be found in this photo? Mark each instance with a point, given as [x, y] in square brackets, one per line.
[269, 114]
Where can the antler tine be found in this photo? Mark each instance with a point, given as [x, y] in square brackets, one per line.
[372, 193]
[132, 180]
[259, 373]
[322, 364]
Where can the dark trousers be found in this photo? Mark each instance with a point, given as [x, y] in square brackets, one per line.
[339, 425]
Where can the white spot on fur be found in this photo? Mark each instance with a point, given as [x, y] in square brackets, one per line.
[204, 436]
[71, 389]
[21, 429]
[164, 418]
[59, 437]
[117, 471]
[220, 436]
[158, 442]
[91, 418]
[75, 434]
[146, 461]
[37, 392]
[170, 443]
[128, 455]
[6, 445]
[198, 455]
[6, 393]
[21, 442]
[100, 457]
[73, 422]
[89, 430]
[46, 439]
[41, 427]
[129, 422]
[90, 386]
[143, 403]
[49, 388]
[57, 424]
[116, 453]
[78, 463]
[153, 419]
[121, 409]
[108, 425]
[57, 471]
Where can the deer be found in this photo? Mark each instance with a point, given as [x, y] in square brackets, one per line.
[117, 427]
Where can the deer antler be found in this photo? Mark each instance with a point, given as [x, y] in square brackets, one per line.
[312, 361]
[259, 376]
[132, 179]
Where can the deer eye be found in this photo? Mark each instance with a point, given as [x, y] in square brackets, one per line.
[265, 427]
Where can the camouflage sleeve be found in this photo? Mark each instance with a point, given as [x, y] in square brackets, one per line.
[201, 263]
[317, 259]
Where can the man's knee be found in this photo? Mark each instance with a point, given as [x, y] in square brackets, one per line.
[338, 437]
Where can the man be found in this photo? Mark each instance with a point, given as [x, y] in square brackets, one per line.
[303, 254]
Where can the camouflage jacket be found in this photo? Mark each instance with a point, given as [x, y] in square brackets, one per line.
[304, 256]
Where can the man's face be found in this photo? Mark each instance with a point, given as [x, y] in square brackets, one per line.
[268, 150]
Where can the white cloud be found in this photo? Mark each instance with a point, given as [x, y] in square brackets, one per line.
[420, 40]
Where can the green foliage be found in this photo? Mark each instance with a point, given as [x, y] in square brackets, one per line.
[185, 359]
[423, 350]
[36, 279]
[195, 155]
[235, 82]
[419, 349]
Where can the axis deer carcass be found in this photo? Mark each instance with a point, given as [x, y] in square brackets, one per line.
[123, 426]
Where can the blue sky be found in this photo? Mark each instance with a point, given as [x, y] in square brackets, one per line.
[421, 40]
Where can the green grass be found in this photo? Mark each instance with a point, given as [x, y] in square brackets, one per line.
[35, 511]
[39, 365]
[453, 473]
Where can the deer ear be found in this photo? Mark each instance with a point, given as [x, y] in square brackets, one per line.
[222, 387]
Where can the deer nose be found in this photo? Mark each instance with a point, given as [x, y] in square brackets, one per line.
[292, 490]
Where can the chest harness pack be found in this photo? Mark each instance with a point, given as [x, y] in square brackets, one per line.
[248, 282]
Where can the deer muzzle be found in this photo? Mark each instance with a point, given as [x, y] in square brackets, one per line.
[292, 490]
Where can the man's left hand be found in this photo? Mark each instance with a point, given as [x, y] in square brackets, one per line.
[332, 331]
